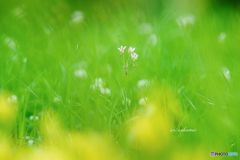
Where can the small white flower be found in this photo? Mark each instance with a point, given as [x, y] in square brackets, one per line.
[107, 91]
[30, 142]
[183, 21]
[131, 50]
[98, 80]
[102, 90]
[222, 37]
[98, 84]
[10, 42]
[12, 99]
[93, 87]
[47, 30]
[80, 73]
[134, 56]
[32, 118]
[76, 17]
[56, 99]
[24, 60]
[226, 73]
[143, 101]
[153, 39]
[122, 49]
[142, 83]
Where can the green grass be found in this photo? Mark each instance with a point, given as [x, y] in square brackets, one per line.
[188, 64]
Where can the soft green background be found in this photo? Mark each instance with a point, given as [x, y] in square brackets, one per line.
[190, 58]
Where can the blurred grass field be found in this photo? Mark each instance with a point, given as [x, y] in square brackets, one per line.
[64, 93]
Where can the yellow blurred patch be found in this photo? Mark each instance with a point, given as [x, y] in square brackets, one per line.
[87, 145]
[151, 130]
[166, 100]
[7, 113]
[197, 153]
[5, 152]
[54, 135]
[94, 146]
[43, 154]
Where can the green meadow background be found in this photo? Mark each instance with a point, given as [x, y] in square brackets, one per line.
[52, 53]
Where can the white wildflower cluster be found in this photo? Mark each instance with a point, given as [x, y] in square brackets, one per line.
[131, 56]
[143, 83]
[24, 60]
[32, 118]
[12, 99]
[11, 43]
[31, 140]
[57, 99]
[222, 37]
[80, 70]
[76, 17]
[121, 49]
[153, 39]
[47, 30]
[80, 73]
[99, 85]
[226, 74]
[134, 56]
[143, 101]
[183, 21]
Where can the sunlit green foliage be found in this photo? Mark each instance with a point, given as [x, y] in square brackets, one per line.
[65, 93]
